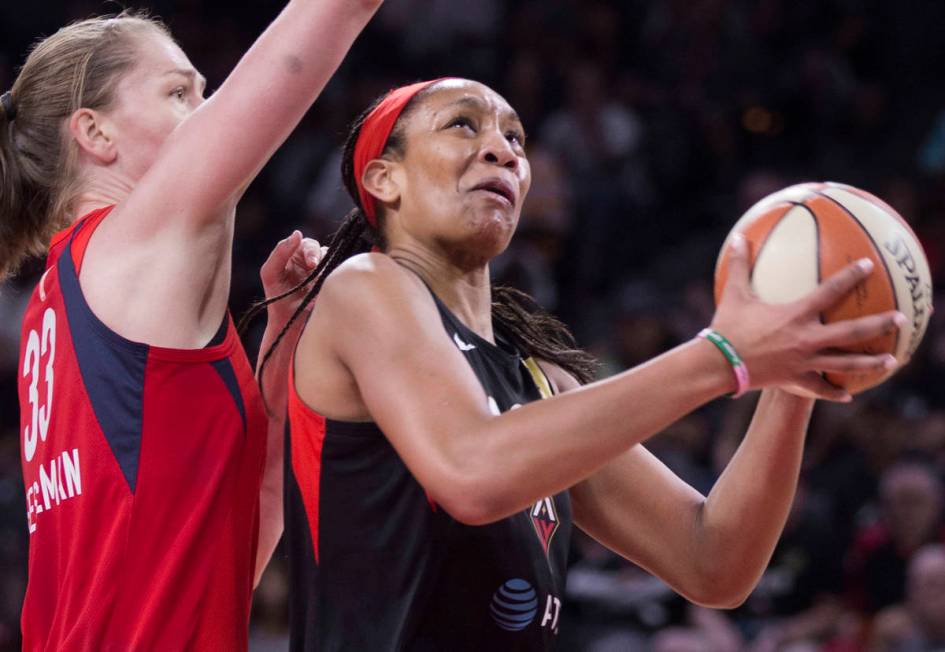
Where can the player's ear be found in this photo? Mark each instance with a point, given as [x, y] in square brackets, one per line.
[93, 133]
[381, 181]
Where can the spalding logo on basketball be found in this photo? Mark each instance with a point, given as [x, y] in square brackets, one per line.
[801, 235]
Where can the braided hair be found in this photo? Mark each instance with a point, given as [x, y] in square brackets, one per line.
[531, 330]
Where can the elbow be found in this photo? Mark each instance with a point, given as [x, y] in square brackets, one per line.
[469, 500]
[474, 508]
[465, 485]
[718, 589]
[723, 599]
[471, 512]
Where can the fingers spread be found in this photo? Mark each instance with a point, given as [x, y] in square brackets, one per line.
[839, 285]
[855, 331]
[854, 363]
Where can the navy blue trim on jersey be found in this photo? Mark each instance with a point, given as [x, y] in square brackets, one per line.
[225, 368]
[220, 336]
[112, 370]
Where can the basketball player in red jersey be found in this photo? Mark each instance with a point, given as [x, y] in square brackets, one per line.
[429, 500]
[143, 435]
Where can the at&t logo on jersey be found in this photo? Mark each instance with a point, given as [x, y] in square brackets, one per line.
[515, 605]
[544, 517]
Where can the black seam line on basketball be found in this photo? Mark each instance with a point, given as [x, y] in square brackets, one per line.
[794, 204]
[813, 215]
[761, 245]
[892, 284]
[820, 315]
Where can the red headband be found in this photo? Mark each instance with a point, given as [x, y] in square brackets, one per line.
[375, 130]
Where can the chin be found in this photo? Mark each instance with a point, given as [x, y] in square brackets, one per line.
[487, 235]
[493, 230]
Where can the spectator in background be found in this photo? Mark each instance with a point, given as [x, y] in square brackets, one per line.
[706, 630]
[917, 624]
[798, 599]
[911, 516]
[597, 137]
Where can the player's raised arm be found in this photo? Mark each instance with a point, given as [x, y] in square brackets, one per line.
[217, 150]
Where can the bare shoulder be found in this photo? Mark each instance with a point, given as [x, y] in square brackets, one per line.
[371, 294]
[561, 380]
[371, 276]
[368, 311]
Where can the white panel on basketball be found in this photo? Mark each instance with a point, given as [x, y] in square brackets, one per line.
[794, 194]
[787, 267]
[908, 269]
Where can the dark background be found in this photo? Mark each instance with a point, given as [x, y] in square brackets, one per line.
[652, 126]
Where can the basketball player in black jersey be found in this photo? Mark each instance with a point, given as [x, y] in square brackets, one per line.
[430, 495]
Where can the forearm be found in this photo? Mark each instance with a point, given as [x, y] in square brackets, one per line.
[274, 385]
[281, 75]
[578, 432]
[238, 128]
[741, 520]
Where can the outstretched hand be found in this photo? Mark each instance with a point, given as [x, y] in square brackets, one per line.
[786, 344]
[290, 262]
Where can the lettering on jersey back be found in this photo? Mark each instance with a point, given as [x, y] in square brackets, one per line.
[60, 478]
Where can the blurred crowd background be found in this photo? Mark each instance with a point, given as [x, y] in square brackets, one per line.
[652, 126]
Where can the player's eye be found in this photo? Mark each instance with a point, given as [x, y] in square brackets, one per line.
[516, 137]
[461, 122]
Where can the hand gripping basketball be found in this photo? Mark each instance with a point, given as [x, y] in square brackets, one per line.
[786, 344]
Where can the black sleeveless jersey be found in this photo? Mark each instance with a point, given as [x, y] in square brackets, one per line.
[375, 565]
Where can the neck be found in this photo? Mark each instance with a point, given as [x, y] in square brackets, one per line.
[100, 193]
[465, 291]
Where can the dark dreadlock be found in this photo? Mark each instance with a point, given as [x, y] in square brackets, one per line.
[532, 331]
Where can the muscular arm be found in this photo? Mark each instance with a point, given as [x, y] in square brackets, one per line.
[218, 150]
[383, 326]
[173, 234]
[380, 325]
[710, 549]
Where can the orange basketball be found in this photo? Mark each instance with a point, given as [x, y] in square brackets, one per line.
[801, 235]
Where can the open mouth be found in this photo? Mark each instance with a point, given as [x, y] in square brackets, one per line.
[498, 187]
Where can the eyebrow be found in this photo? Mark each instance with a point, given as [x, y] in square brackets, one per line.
[190, 74]
[478, 105]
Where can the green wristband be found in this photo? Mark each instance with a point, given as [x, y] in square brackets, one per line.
[738, 366]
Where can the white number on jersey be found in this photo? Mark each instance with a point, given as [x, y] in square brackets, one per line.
[37, 347]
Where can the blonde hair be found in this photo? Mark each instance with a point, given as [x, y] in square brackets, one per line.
[78, 66]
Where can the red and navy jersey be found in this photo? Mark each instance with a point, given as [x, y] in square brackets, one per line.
[142, 467]
[375, 565]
